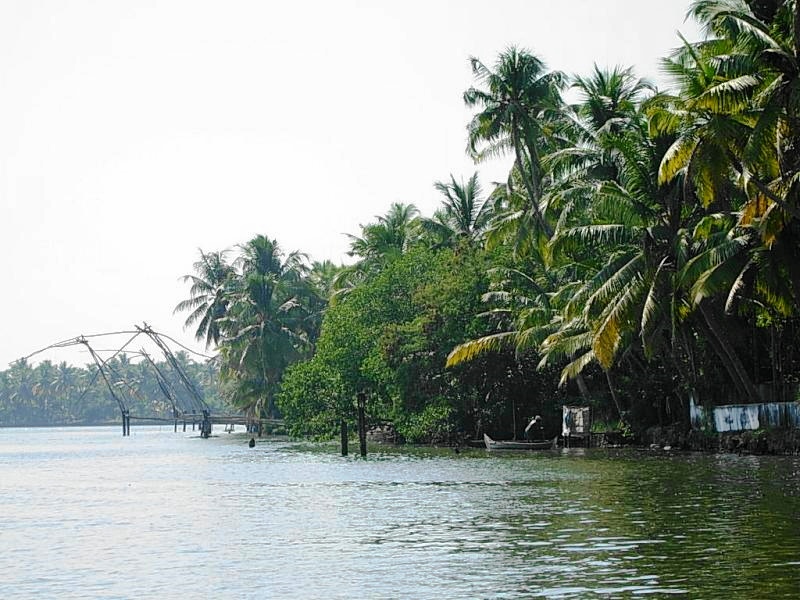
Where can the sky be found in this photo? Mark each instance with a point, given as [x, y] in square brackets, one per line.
[135, 133]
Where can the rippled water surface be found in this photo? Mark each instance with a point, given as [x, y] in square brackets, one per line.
[88, 513]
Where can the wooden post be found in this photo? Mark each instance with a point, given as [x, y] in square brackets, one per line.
[344, 437]
[184, 426]
[362, 423]
[175, 427]
[514, 417]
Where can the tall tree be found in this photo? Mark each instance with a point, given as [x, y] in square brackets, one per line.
[265, 322]
[519, 102]
[463, 216]
[380, 242]
[208, 296]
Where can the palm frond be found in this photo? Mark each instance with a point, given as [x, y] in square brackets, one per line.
[474, 348]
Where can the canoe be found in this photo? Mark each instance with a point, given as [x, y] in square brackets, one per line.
[511, 445]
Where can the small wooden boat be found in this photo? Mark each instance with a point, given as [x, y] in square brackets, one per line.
[512, 445]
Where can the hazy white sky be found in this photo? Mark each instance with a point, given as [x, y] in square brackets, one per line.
[133, 133]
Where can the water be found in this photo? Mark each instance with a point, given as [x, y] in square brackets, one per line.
[86, 513]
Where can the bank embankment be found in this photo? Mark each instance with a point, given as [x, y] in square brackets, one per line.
[761, 441]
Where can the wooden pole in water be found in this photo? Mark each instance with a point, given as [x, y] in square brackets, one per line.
[344, 437]
[362, 423]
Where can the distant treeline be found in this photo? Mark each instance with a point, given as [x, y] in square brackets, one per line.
[62, 394]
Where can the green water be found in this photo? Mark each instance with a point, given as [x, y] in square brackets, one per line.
[87, 513]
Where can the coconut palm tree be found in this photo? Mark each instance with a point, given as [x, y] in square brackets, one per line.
[380, 242]
[320, 281]
[208, 296]
[387, 237]
[610, 98]
[609, 101]
[735, 128]
[265, 322]
[541, 320]
[519, 106]
[463, 216]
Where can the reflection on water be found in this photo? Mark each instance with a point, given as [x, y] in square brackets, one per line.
[88, 513]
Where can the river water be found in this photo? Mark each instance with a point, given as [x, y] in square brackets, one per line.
[86, 513]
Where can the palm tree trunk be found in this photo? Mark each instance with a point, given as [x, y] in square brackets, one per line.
[613, 392]
[729, 357]
[530, 185]
[726, 361]
[796, 33]
[688, 381]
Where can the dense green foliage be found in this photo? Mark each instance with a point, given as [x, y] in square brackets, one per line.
[390, 336]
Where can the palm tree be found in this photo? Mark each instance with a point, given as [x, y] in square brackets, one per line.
[380, 242]
[208, 296]
[463, 215]
[519, 106]
[64, 385]
[736, 115]
[321, 277]
[321, 280]
[735, 128]
[611, 272]
[386, 238]
[608, 107]
[540, 319]
[264, 324]
[610, 98]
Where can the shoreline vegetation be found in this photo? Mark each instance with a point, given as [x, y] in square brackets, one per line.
[778, 442]
[643, 250]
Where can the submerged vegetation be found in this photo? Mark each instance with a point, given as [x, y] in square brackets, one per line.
[643, 250]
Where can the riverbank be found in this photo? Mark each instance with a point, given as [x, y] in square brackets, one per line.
[760, 441]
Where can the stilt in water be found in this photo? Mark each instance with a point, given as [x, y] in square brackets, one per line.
[205, 426]
[344, 437]
[362, 423]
